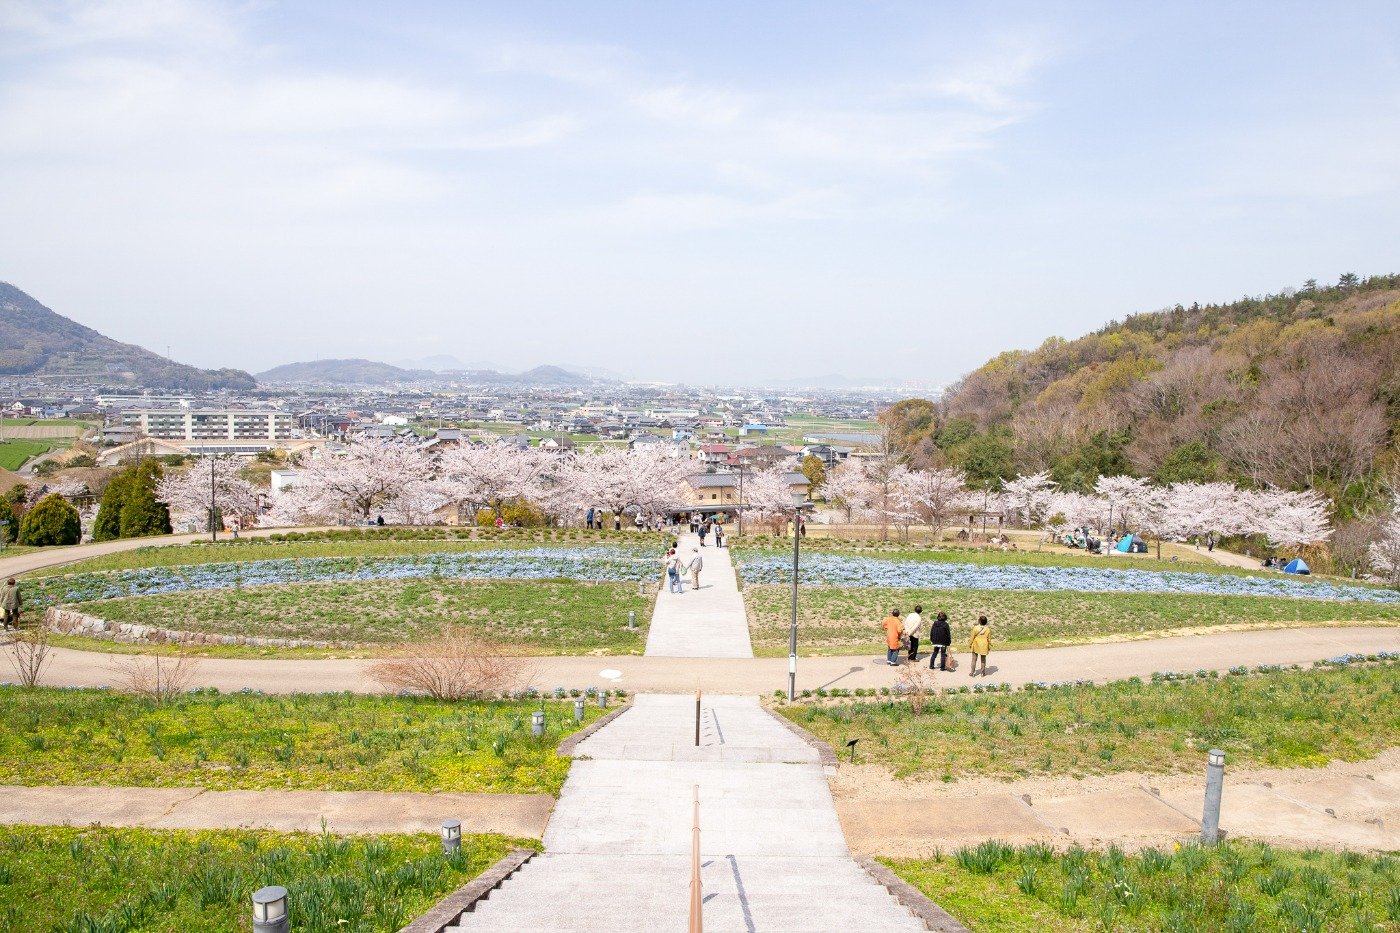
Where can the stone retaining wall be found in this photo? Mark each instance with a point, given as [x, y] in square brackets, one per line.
[72, 622]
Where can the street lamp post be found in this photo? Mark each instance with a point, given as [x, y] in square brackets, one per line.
[798, 501]
[213, 529]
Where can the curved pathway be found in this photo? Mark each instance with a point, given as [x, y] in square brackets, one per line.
[60, 556]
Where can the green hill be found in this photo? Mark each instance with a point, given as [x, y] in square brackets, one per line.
[36, 341]
[1298, 389]
[343, 372]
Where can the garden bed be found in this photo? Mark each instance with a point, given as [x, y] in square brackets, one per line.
[248, 741]
[1289, 718]
[177, 881]
[1235, 886]
[845, 620]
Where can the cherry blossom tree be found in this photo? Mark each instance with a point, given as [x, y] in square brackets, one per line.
[1028, 497]
[768, 495]
[847, 488]
[1123, 495]
[1292, 520]
[366, 476]
[1385, 552]
[641, 481]
[210, 487]
[934, 497]
[487, 476]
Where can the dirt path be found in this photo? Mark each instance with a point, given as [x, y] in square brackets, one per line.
[60, 556]
[1345, 805]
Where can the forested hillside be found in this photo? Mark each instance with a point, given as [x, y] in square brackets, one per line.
[1299, 389]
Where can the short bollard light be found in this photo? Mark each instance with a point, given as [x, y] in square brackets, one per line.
[603, 699]
[578, 710]
[632, 618]
[1215, 784]
[537, 723]
[451, 836]
[270, 909]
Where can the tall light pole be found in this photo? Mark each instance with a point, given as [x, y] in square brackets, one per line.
[799, 500]
[213, 529]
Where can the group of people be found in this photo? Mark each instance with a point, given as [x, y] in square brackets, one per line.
[902, 633]
[704, 527]
[677, 567]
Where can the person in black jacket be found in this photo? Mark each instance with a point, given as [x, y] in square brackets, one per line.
[940, 637]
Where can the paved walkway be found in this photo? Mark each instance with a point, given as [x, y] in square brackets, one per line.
[60, 556]
[760, 676]
[617, 851]
[288, 810]
[706, 623]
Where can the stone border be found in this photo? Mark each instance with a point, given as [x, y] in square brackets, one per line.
[72, 622]
[915, 901]
[567, 746]
[450, 909]
[824, 750]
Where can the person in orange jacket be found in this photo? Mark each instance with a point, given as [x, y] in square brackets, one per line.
[894, 636]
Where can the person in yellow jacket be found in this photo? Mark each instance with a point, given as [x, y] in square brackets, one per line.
[981, 645]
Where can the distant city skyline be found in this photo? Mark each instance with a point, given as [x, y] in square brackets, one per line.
[727, 194]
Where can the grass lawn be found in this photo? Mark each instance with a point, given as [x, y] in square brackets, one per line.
[14, 454]
[245, 741]
[98, 879]
[543, 617]
[1282, 719]
[1237, 886]
[845, 620]
[399, 542]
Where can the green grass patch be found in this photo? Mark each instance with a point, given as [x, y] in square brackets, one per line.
[528, 617]
[246, 741]
[15, 454]
[1282, 719]
[844, 620]
[92, 880]
[1236, 887]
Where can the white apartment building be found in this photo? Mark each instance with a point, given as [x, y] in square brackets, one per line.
[210, 424]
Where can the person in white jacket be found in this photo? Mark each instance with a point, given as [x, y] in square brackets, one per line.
[913, 628]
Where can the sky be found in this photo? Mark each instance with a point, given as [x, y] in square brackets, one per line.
[726, 192]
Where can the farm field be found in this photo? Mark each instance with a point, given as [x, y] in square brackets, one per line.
[247, 741]
[1279, 719]
[1237, 886]
[15, 454]
[844, 620]
[177, 881]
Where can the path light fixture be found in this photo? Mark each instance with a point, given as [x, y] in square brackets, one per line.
[603, 699]
[632, 619]
[1215, 784]
[451, 836]
[852, 746]
[270, 910]
[799, 502]
[578, 710]
[537, 723]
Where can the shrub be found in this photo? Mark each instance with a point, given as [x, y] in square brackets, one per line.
[51, 521]
[9, 531]
[129, 508]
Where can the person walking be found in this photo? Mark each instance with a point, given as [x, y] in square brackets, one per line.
[894, 637]
[940, 636]
[981, 645]
[697, 563]
[719, 535]
[11, 603]
[704, 530]
[913, 628]
[588, 519]
[673, 572]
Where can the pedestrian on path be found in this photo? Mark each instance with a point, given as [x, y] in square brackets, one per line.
[10, 604]
[981, 645]
[940, 636]
[894, 637]
[588, 519]
[673, 572]
[704, 530]
[719, 535]
[697, 563]
[913, 628]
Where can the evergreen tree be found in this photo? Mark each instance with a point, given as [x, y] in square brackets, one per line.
[51, 521]
[7, 514]
[129, 508]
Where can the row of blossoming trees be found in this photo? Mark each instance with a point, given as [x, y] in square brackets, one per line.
[894, 495]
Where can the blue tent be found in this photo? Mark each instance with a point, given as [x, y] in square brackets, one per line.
[1128, 543]
[1296, 565]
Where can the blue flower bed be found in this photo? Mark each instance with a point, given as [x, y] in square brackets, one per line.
[840, 570]
[596, 564]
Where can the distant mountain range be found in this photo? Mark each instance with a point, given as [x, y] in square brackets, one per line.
[370, 372]
[38, 342]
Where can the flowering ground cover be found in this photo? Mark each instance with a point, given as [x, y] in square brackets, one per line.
[845, 620]
[857, 571]
[528, 617]
[1236, 886]
[953, 552]
[94, 879]
[1278, 719]
[248, 741]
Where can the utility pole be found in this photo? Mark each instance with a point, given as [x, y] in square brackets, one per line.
[213, 528]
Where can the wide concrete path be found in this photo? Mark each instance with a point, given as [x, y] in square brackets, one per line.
[706, 623]
[288, 810]
[618, 846]
[751, 676]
